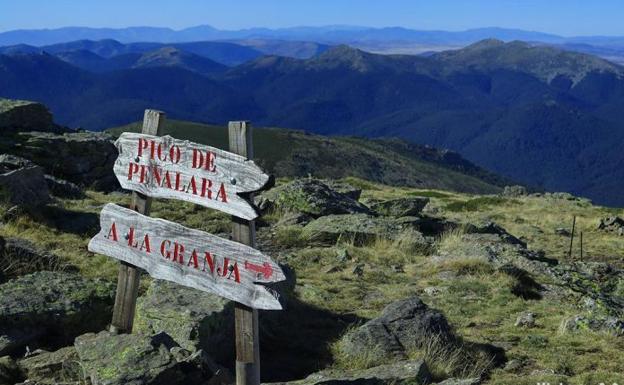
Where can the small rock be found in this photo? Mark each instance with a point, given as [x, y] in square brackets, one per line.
[63, 189]
[406, 324]
[402, 207]
[53, 367]
[332, 269]
[431, 290]
[399, 373]
[526, 320]
[342, 255]
[291, 219]
[358, 270]
[514, 191]
[513, 365]
[460, 381]
[563, 232]
[344, 188]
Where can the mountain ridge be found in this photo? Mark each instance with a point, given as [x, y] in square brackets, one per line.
[553, 123]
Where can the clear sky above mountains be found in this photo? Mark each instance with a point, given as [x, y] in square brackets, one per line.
[563, 17]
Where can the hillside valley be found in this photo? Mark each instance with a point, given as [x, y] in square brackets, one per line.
[447, 279]
[536, 114]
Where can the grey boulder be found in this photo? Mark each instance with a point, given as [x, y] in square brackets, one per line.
[49, 309]
[402, 207]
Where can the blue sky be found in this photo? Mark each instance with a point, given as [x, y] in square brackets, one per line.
[571, 17]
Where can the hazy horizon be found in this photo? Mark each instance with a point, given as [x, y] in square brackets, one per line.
[563, 18]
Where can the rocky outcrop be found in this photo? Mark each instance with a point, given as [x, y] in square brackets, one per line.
[311, 197]
[195, 320]
[403, 326]
[612, 224]
[22, 182]
[83, 158]
[399, 373]
[360, 228]
[20, 115]
[344, 188]
[49, 309]
[63, 189]
[402, 207]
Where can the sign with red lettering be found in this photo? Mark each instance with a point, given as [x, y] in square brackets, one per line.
[164, 167]
[193, 258]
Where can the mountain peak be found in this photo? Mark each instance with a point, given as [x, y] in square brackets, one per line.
[344, 56]
[485, 44]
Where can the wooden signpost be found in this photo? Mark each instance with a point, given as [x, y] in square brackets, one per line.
[158, 166]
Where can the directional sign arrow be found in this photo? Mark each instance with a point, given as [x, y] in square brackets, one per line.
[265, 270]
[193, 258]
[165, 167]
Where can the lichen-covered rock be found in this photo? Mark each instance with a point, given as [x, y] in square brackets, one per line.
[19, 115]
[403, 326]
[136, 359]
[526, 320]
[360, 228]
[399, 373]
[49, 309]
[402, 207]
[312, 197]
[194, 319]
[128, 359]
[84, 158]
[51, 368]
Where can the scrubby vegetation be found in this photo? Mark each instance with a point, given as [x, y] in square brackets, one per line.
[480, 299]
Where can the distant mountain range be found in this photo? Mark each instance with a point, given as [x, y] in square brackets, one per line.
[534, 113]
[377, 40]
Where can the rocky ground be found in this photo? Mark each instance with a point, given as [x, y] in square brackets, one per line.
[385, 285]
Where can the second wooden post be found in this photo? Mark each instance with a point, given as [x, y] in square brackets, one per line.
[243, 231]
[128, 279]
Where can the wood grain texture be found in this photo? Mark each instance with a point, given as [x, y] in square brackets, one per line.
[128, 278]
[163, 262]
[236, 173]
[246, 324]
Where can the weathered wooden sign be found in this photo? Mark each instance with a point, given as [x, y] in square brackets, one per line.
[193, 258]
[164, 167]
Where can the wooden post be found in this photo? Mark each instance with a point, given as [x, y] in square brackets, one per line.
[572, 237]
[246, 318]
[128, 279]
